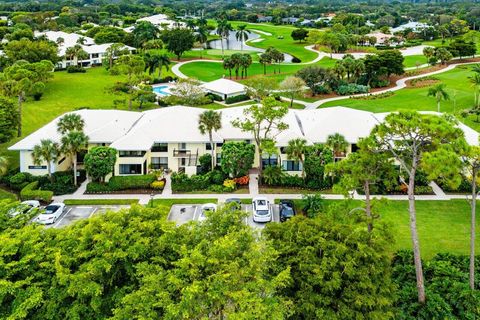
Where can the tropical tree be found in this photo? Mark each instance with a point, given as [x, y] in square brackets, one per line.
[265, 60]
[228, 64]
[47, 151]
[209, 122]
[443, 55]
[245, 62]
[338, 144]
[410, 137]
[133, 67]
[70, 122]
[362, 169]
[260, 121]
[293, 87]
[72, 143]
[114, 51]
[178, 41]
[76, 53]
[242, 34]
[475, 80]
[296, 151]
[143, 32]
[223, 30]
[156, 61]
[201, 35]
[439, 92]
[99, 162]
[237, 158]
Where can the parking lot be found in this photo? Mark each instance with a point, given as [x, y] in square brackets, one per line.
[75, 213]
[181, 214]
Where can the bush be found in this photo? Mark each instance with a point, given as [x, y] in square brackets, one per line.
[158, 185]
[205, 163]
[76, 69]
[20, 180]
[61, 182]
[31, 192]
[214, 97]
[319, 89]
[183, 183]
[229, 184]
[235, 99]
[352, 88]
[217, 176]
[163, 80]
[131, 182]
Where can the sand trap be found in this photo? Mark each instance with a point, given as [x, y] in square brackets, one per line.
[261, 32]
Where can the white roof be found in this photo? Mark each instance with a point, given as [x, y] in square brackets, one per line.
[415, 26]
[130, 130]
[101, 126]
[224, 86]
[158, 20]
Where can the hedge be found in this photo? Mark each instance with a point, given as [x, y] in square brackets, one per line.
[119, 183]
[235, 99]
[31, 192]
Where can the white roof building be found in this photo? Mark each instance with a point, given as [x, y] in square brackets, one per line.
[414, 25]
[130, 130]
[159, 20]
[225, 88]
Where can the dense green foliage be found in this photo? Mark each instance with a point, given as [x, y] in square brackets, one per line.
[237, 158]
[119, 183]
[99, 162]
[31, 192]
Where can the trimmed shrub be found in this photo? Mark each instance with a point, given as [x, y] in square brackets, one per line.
[20, 180]
[235, 99]
[352, 88]
[214, 97]
[31, 192]
[96, 187]
[76, 69]
[163, 80]
[131, 182]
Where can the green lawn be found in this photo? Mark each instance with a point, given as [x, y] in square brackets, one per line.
[443, 226]
[77, 202]
[413, 61]
[286, 45]
[416, 98]
[208, 71]
[170, 202]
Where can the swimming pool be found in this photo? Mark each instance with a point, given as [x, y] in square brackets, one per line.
[161, 90]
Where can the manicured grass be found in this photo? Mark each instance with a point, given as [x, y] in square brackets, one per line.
[456, 80]
[283, 190]
[208, 71]
[213, 54]
[413, 61]
[76, 202]
[286, 45]
[443, 226]
[171, 202]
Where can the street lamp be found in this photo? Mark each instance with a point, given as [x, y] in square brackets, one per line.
[151, 199]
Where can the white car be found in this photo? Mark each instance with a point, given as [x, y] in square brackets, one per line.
[51, 214]
[261, 210]
[24, 208]
[206, 207]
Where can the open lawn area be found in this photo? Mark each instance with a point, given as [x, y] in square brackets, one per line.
[414, 61]
[208, 71]
[458, 86]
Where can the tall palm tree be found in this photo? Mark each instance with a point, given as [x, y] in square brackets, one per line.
[75, 53]
[475, 80]
[439, 92]
[337, 143]
[47, 151]
[190, 23]
[295, 151]
[208, 122]
[202, 35]
[70, 122]
[242, 34]
[154, 61]
[72, 143]
[228, 65]
[223, 30]
[163, 60]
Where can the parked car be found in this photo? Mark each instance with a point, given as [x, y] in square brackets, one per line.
[261, 210]
[24, 208]
[287, 210]
[234, 203]
[206, 207]
[51, 214]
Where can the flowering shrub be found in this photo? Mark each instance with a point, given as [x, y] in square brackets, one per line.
[157, 185]
[242, 180]
[229, 184]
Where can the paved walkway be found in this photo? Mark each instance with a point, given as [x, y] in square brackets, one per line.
[253, 184]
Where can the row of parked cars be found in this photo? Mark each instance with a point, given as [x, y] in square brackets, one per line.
[261, 209]
[46, 215]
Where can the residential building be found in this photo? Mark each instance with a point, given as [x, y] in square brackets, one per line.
[96, 52]
[224, 88]
[383, 39]
[265, 19]
[159, 20]
[413, 25]
[169, 137]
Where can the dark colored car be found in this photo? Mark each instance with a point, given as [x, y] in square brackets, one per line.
[287, 210]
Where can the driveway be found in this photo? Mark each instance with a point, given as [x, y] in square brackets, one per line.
[75, 213]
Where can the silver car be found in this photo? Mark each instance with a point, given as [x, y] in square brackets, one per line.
[261, 210]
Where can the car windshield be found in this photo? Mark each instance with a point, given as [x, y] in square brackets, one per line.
[287, 211]
[262, 212]
[261, 202]
[50, 209]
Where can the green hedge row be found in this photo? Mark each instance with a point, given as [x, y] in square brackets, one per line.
[119, 183]
[235, 99]
[31, 192]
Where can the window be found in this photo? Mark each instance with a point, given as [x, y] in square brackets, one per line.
[219, 159]
[182, 146]
[123, 154]
[290, 165]
[94, 55]
[208, 146]
[219, 145]
[160, 147]
[130, 169]
[37, 167]
[270, 161]
[159, 163]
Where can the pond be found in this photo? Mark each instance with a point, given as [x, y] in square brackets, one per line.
[231, 43]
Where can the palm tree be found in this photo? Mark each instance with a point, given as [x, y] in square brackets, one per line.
[295, 151]
[208, 122]
[228, 65]
[264, 60]
[75, 53]
[190, 23]
[242, 34]
[438, 91]
[337, 143]
[202, 35]
[475, 80]
[3, 165]
[81, 40]
[245, 62]
[223, 30]
[154, 61]
[46, 151]
[72, 143]
[163, 60]
[70, 122]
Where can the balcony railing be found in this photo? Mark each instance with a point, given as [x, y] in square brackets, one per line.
[182, 153]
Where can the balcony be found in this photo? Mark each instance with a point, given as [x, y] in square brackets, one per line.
[182, 153]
